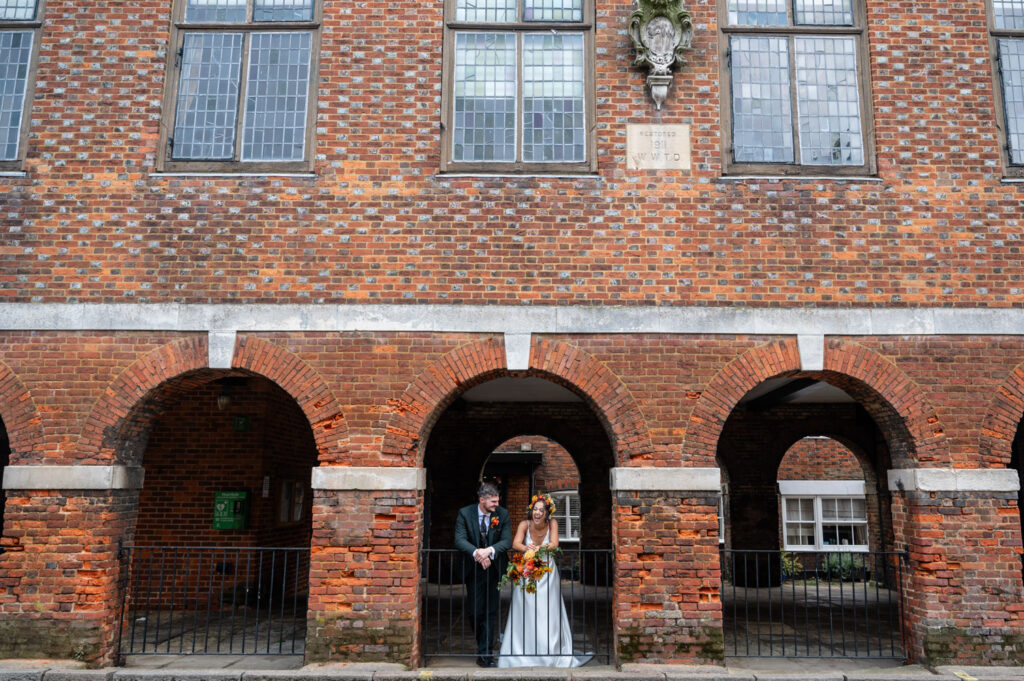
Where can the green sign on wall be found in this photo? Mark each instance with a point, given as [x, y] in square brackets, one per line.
[230, 510]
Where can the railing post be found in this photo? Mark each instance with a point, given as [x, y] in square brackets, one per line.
[123, 560]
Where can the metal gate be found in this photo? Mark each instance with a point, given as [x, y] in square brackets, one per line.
[585, 588]
[813, 604]
[199, 600]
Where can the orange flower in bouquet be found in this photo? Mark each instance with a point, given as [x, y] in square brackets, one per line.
[526, 569]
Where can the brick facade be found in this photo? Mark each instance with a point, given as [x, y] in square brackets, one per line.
[819, 459]
[92, 222]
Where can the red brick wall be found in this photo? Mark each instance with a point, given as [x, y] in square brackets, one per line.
[518, 495]
[661, 543]
[65, 376]
[819, 459]
[634, 238]
[556, 472]
[364, 576]
[965, 557]
[59, 593]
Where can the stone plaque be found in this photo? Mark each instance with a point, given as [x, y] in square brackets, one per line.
[657, 147]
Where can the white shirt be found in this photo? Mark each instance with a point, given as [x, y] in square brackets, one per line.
[481, 517]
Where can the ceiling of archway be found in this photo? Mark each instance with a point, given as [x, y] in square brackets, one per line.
[817, 392]
[528, 389]
[532, 389]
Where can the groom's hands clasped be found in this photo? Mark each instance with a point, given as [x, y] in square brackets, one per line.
[483, 557]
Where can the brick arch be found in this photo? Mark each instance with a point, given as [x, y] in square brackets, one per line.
[20, 417]
[297, 378]
[117, 427]
[1003, 420]
[603, 390]
[725, 390]
[842, 439]
[466, 366]
[895, 403]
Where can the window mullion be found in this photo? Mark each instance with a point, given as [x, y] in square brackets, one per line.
[819, 533]
[520, 56]
[794, 100]
[243, 81]
[1008, 146]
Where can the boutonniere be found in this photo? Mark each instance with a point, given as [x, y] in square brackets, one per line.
[494, 521]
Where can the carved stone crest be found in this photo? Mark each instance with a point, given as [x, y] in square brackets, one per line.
[660, 30]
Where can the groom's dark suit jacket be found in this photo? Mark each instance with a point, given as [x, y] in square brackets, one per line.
[468, 539]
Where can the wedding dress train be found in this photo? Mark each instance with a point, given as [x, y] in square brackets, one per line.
[537, 633]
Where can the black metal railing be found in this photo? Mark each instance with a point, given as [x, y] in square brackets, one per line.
[213, 600]
[585, 588]
[812, 604]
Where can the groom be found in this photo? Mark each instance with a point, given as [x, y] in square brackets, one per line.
[483, 533]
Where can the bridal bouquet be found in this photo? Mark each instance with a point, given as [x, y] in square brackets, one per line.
[526, 569]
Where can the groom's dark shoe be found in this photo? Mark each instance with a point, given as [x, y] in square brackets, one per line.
[482, 662]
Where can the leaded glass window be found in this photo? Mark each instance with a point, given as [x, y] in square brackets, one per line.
[1008, 22]
[19, 35]
[517, 80]
[243, 84]
[796, 94]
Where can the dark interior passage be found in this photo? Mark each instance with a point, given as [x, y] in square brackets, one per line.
[220, 557]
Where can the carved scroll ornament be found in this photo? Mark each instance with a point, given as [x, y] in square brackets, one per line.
[660, 30]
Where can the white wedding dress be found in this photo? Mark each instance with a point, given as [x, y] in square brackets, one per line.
[537, 632]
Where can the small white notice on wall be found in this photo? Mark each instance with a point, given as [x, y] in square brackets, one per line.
[657, 147]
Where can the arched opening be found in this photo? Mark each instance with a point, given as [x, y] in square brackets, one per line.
[828, 498]
[808, 562]
[1017, 463]
[526, 435]
[219, 558]
[531, 464]
[5, 461]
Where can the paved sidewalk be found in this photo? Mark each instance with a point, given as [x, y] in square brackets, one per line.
[250, 669]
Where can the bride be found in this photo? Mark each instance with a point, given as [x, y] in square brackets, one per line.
[537, 632]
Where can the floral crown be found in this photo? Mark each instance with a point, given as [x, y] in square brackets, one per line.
[547, 499]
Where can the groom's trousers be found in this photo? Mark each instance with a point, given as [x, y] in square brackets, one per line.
[482, 599]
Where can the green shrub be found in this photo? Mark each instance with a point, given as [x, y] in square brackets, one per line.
[791, 565]
[843, 566]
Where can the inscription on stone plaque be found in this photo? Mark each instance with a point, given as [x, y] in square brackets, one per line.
[657, 147]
